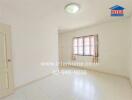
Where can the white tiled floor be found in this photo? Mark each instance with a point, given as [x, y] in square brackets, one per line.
[92, 86]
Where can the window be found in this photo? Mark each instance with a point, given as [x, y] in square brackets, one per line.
[85, 45]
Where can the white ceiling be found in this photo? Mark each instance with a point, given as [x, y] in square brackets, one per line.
[52, 11]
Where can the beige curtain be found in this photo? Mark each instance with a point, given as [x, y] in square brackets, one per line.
[95, 58]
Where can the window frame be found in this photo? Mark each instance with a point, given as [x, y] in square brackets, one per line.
[83, 37]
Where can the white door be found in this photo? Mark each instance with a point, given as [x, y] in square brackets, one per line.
[6, 79]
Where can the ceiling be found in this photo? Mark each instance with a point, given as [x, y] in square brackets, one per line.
[52, 11]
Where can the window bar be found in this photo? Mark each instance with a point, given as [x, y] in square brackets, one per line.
[83, 47]
[90, 45]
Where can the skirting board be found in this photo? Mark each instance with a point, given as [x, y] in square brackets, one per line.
[31, 82]
[94, 70]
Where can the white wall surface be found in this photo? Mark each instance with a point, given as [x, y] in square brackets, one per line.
[113, 46]
[33, 41]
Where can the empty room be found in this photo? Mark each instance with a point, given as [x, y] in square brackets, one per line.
[65, 50]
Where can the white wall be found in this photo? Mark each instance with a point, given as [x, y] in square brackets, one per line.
[113, 46]
[34, 41]
[32, 44]
[130, 67]
[30, 48]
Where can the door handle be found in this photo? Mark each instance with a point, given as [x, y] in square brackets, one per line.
[9, 60]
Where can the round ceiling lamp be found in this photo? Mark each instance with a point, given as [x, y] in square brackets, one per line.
[72, 8]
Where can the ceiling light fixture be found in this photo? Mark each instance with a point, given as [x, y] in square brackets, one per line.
[72, 8]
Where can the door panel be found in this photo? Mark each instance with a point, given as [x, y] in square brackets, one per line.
[6, 79]
[4, 83]
[2, 51]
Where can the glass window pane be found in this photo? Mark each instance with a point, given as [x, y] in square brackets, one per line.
[86, 41]
[92, 40]
[92, 45]
[86, 50]
[74, 50]
[80, 42]
[75, 42]
[80, 50]
[92, 50]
